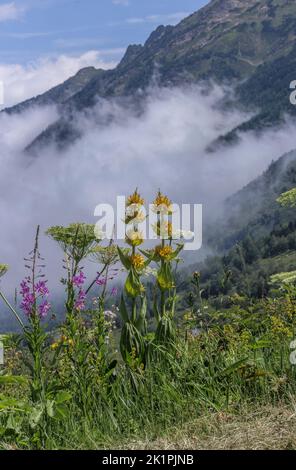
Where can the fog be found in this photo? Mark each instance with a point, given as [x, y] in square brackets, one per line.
[162, 147]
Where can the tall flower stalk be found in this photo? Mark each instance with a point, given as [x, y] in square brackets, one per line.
[36, 307]
[164, 255]
[77, 241]
[106, 258]
[132, 343]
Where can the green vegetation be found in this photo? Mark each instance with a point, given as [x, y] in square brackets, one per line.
[200, 356]
[255, 240]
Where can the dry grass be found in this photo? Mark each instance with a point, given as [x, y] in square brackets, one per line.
[266, 428]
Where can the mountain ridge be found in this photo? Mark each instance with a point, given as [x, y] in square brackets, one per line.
[227, 41]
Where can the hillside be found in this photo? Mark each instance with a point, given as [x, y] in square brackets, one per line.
[255, 239]
[254, 209]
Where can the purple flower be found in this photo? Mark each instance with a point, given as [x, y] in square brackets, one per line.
[44, 308]
[80, 301]
[25, 289]
[28, 303]
[31, 297]
[42, 289]
[101, 282]
[79, 279]
[114, 292]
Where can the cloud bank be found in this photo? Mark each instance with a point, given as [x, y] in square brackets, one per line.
[164, 147]
[21, 82]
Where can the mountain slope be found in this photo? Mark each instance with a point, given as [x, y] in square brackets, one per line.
[60, 94]
[243, 42]
[255, 240]
[253, 210]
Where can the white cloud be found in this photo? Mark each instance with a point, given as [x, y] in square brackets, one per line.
[26, 35]
[164, 147]
[10, 11]
[25, 81]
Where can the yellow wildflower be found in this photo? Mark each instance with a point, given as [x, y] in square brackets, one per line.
[164, 251]
[54, 346]
[162, 202]
[137, 261]
[135, 198]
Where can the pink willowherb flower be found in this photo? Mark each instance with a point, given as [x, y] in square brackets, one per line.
[80, 301]
[79, 279]
[25, 289]
[32, 296]
[44, 308]
[28, 303]
[41, 288]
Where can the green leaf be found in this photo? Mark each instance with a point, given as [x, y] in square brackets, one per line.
[165, 330]
[13, 380]
[123, 310]
[234, 367]
[150, 255]
[62, 411]
[261, 344]
[36, 416]
[63, 396]
[124, 259]
[156, 311]
[50, 408]
[147, 253]
[131, 338]
[165, 278]
[133, 284]
[177, 251]
[142, 315]
[12, 404]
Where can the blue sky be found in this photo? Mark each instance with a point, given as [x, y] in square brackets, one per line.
[30, 29]
[44, 42]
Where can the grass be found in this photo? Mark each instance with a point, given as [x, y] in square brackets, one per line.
[262, 428]
[265, 428]
[208, 399]
[232, 386]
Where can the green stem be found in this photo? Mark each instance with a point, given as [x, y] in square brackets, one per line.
[12, 309]
[96, 279]
[162, 295]
[134, 311]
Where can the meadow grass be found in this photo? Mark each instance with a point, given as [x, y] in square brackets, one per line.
[193, 380]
